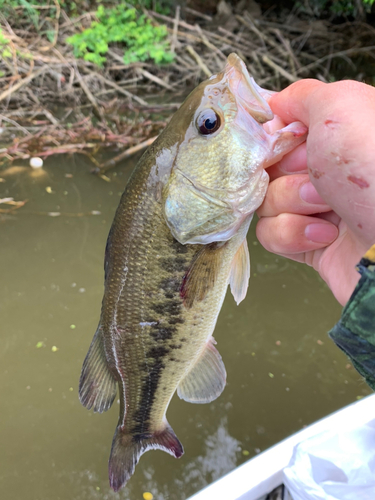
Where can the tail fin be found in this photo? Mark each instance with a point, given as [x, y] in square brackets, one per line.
[127, 450]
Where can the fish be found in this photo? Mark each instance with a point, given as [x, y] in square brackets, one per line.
[177, 241]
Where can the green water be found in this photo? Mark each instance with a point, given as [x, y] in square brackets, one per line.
[283, 371]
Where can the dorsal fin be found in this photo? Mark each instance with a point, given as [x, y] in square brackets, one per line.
[207, 378]
[240, 273]
[202, 274]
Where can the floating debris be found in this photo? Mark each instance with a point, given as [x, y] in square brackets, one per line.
[36, 162]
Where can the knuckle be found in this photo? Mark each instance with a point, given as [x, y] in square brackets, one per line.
[285, 237]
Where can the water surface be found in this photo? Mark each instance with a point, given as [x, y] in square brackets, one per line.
[283, 371]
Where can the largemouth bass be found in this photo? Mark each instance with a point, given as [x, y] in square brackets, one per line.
[178, 239]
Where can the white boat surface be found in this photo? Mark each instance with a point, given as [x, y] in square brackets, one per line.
[260, 475]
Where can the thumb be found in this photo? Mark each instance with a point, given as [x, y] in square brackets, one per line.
[293, 103]
[340, 145]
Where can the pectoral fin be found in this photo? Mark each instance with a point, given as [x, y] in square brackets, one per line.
[240, 273]
[202, 274]
[206, 380]
[97, 386]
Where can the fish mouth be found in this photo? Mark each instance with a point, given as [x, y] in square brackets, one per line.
[247, 92]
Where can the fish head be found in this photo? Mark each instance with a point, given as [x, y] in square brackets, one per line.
[218, 177]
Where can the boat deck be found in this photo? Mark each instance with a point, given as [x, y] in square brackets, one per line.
[260, 477]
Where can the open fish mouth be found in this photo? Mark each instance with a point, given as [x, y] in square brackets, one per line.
[248, 94]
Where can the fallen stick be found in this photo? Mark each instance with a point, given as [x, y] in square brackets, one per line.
[198, 14]
[120, 89]
[125, 154]
[154, 78]
[66, 148]
[175, 42]
[279, 69]
[341, 53]
[199, 61]
[17, 125]
[91, 98]
[21, 83]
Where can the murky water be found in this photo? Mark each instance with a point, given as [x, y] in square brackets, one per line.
[283, 371]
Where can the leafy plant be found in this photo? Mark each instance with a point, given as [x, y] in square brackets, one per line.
[7, 8]
[123, 26]
[161, 6]
[336, 7]
[4, 49]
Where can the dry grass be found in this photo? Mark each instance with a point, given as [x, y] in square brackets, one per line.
[52, 103]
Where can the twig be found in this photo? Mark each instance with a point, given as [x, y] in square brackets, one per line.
[154, 78]
[341, 53]
[170, 20]
[50, 116]
[210, 45]
[21, 83]
[66, 148]
[125, 154]
[279, 69]
[90, 97]
[199, 61]
[175, 42]
[198, 14]
[120, 89]
[17, 125]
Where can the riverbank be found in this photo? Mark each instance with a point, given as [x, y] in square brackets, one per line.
[52, 102]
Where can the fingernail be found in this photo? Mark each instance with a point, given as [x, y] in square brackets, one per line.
[321, 233]
[310, 195]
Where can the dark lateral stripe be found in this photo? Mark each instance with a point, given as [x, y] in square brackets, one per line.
[154, 370]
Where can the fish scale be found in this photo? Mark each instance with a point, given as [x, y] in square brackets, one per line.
[177, 240]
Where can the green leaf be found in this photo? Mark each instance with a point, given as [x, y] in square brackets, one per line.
[127, 28]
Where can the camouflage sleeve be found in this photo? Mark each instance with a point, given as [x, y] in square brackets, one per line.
[355, 332]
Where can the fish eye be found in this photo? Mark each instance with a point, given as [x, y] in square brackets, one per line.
[208, 122]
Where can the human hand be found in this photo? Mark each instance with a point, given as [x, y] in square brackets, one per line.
[329, 222]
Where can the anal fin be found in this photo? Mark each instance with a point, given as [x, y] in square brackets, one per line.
[206, 380]
[97, 386]
[240, 273]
